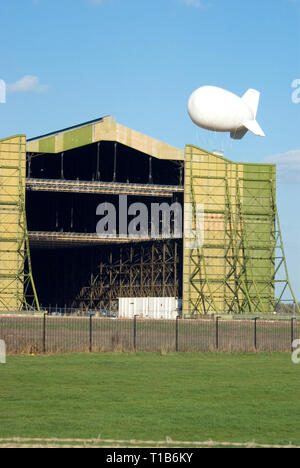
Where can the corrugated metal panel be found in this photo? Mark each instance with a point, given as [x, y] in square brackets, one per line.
[259, 221]
[233, 271]
[12, 194]
[47, 145]
[149, 307]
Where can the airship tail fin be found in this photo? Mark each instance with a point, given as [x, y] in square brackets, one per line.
[251, 98]
[251, 125]
[254, 127]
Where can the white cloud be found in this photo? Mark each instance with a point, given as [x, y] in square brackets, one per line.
[288, 165]
[27, 84]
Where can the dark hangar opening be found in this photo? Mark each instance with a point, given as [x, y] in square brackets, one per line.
[105, 161]
[78, 272]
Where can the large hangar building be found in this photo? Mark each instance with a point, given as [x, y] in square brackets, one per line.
[226, 260]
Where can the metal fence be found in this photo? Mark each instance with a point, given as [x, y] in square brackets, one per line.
[54, 334]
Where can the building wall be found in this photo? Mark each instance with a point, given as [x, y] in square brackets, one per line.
[12, 193]
[230, 269]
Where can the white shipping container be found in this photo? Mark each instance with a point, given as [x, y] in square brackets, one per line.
[149, 307]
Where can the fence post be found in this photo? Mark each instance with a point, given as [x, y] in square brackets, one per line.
[217, 332]
[292, 332]
[44, 333]
[91, 333]
[255, 333]
[177, 334]
[134, 332]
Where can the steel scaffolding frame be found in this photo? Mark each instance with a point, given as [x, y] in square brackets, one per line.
[113, 188]
[17, 289]
[235, 270]
[279, 255]
[151, 270]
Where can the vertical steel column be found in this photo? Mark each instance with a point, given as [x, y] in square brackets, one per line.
[98, 174]
[115, 163]
[164, 270]
[150, 171]
[141, 268]
[152, 269]
[131, 272]
[29, 166]
[181, 176]
[62, 175]
[176, 288]
[72, 219]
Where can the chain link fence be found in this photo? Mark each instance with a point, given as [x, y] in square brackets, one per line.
[55, 334]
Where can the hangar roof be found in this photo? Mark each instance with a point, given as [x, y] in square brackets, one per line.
[103, 129]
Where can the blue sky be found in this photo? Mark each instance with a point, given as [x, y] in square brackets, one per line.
[69, 61]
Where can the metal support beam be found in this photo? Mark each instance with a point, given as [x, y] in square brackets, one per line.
[62, 176]
[115, 163]
[132, 271]
[150, 171]
[98, 175]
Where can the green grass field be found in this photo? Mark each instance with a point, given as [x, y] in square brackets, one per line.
[148, 396]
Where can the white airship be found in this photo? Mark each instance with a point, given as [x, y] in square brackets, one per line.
[219, 110]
